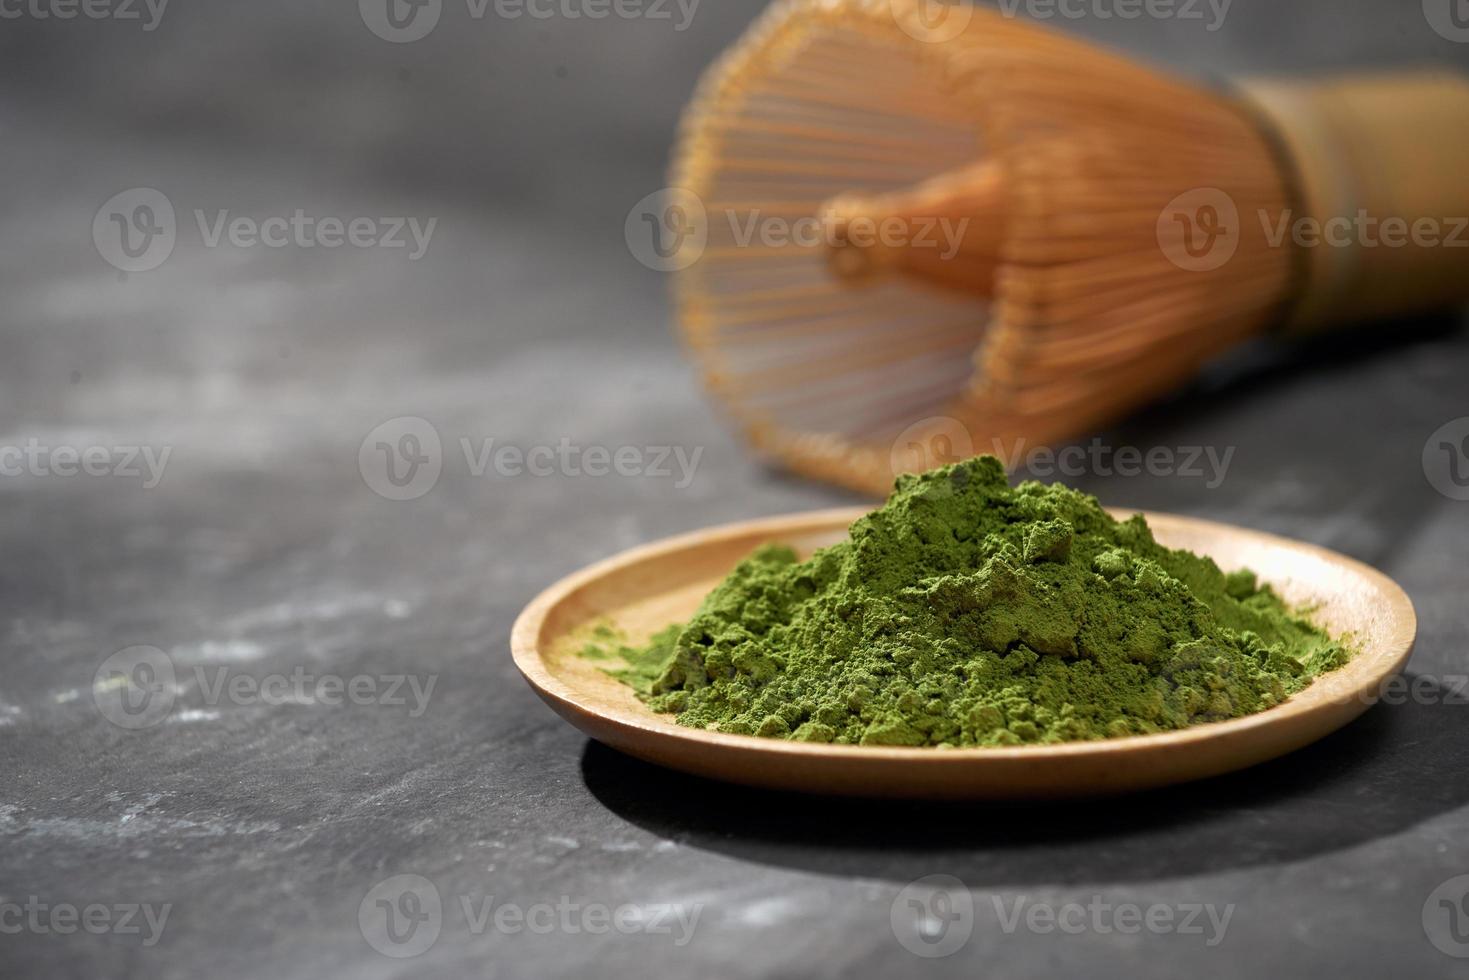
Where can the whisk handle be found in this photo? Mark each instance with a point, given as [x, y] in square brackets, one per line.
[1380, 165]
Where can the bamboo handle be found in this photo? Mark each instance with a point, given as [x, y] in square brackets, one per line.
[1381, 169]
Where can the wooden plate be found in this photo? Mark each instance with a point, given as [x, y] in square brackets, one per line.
[644, 589]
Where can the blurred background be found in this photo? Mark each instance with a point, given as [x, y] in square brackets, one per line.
[516, 138]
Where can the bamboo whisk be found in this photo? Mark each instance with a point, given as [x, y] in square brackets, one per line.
[1011, 235]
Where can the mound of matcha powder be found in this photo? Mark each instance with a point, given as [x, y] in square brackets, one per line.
[966, 612]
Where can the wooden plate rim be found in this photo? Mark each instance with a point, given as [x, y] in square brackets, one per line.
[1370, 668]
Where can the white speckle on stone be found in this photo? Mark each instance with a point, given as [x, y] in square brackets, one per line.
[214, 651]
[769, 911]
[193, 714]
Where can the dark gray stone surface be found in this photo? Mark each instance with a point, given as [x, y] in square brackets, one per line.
[262, 551]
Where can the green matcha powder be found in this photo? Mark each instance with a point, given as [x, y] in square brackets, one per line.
[966, 612]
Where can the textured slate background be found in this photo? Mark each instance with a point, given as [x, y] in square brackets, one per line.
[262, 550]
